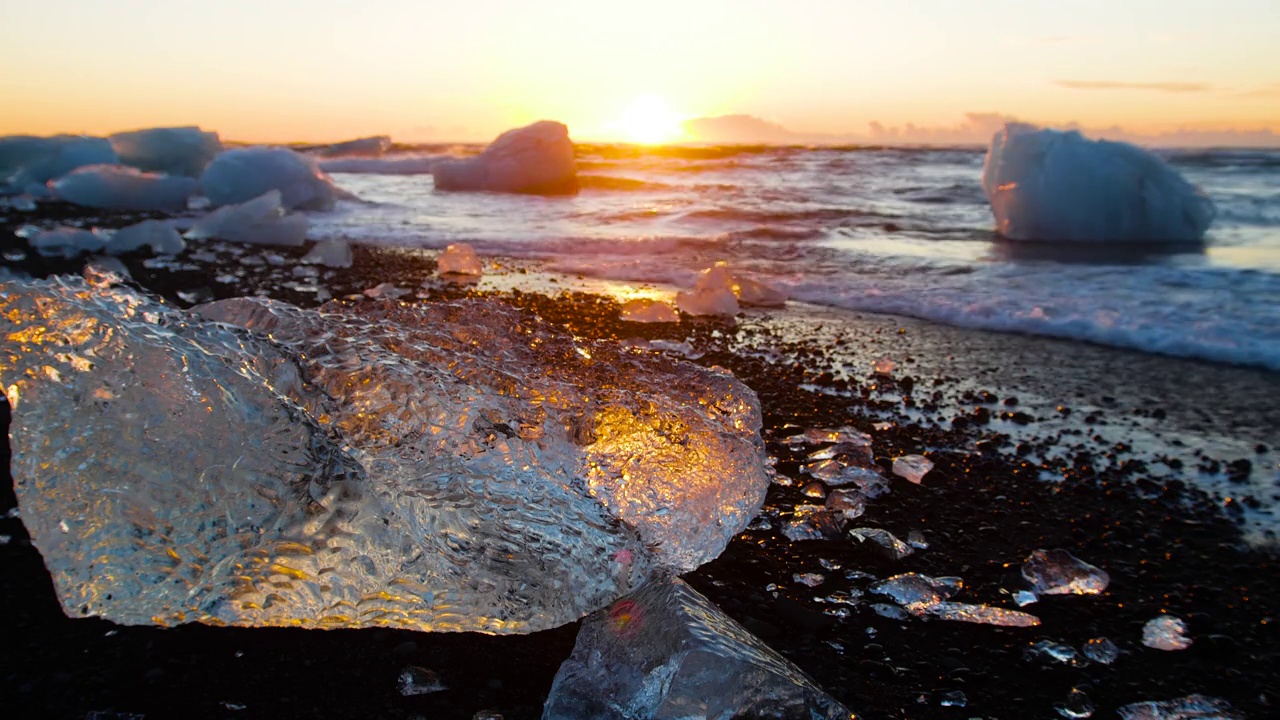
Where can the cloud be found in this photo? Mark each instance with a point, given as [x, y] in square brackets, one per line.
[1170, 87]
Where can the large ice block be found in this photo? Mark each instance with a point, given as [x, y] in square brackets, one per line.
[451, 466]
[171, 150]
[27, 162]
[1051, 185]
[537, 159]
[239, 175]
[116, 187]
[665, 653]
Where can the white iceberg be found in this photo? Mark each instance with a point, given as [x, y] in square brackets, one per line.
[1051, 185]
[667, 652]
[537, 159]
[260, 221]
[361, 147]
[242, 174]
[65, 242]
[27, 163]
[444, 466]
[459, 259]
[116, 187]
[172, 150]
[160, 236]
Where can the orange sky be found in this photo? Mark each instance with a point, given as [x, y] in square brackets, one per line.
[329, 69]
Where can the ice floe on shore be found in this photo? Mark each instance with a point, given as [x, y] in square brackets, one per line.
[260, 221]
[242, 174]
[117, 187]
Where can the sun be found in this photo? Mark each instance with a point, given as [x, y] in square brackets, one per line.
[649, 120]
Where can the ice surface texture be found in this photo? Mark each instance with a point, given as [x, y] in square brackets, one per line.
[536, 159]
[240, 175]
[116, 187]
[27, 163]
[439, 467]
[1053, 185]
[667, 652]
[173, 150]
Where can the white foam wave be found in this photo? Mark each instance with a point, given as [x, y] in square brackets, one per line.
[387, 165]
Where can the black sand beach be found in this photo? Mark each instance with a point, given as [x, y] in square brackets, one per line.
[1037, 444]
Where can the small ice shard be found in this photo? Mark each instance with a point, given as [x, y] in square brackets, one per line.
[814, 490]
[1025, 597]
[912, 467]
[240, 175]
[812, 522]
[915, 539]
[1077, 706]
[330, 253]
[717, 301]
[375, 146]
[667, 652]
[892, 547]
[105, 271]
[65, 242]
[1191, 707]
[173, 150]
[816, 436]
[952, 698]
[116, 187]
[385, 290]
[1100, 650]
[1051, 185]
[1052, 652]
[419, 681]
[537, 159]
[648, 310]
[159, 235]
[1166, 633]
[455, 466]
[808, 579]
[718, 278]
[260, 221]
[1058, 572]
[883, 366]
[459, 259]
[914, 591]
[893, 612]
[848, 464]
[848, 502]
[983, 615]
[27, 163]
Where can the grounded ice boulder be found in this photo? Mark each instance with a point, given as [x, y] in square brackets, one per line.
[667, 652]
[1191, 707]
[160, 236]
[66, 242]
[537, 159]
[27, 163]
[242, 174]
[1166, 633]
[116, 187]
[449, 466]
[172, 150]
[1051, 185]
[459, 259]
[260, 221]
[362, 147]
[330, 253]
[718, 291]
[1058, 572]
[648, 310]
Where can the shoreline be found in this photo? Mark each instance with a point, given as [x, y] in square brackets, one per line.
[1168, 546]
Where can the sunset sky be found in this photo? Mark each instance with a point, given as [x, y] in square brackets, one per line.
[278, 70]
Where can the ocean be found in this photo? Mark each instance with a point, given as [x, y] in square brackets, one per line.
[904, 231]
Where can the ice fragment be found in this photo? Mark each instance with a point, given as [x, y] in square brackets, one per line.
[808, 579]
[459, 259]
[1191, 707]
[1058, 572]
[260, 221]
[912, 467]
[1077, 706]
[648, 310]
[1100, 650]
[330, 253]
[420, 681]
[1166, 633]
[240, 175]
[890, 546]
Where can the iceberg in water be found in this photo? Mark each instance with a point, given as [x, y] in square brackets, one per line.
[537, 159]
[174, 150]
[362, 147]
[242, 174]
[448, 466]
[261, 221]
[116, 187]
[66, 242]
[667, 652]
[27, 163]
[1052, 185]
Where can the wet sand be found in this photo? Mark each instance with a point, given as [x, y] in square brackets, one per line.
[1037, 444]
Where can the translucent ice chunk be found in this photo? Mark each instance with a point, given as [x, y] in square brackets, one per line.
[1191, 707]
[923, 596]
[812, 522]
[848, 502]
[912, 467]
[260, 221]
[420, 681]
[116, 187]
[883, 366]
[914, 591]
[330, 253]
[459, 259]
[1166, 633]
[242, 174]
[718, 279]
[1058, 572]
[814, 436]
[65, 242]
[983, 615]
[173, 150]
[1025, 597]
[536, 159]
[953, 698]
[454, 466]
[647, 310]
[848, 464]
[891, 546]
[1052, 652]
[1100, 650]
[1077, 706]
[808, 579]
[716, 301]
[160, 236]
[667, 652]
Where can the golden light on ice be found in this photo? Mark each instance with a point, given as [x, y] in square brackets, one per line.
[649, 120]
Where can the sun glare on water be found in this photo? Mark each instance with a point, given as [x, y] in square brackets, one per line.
[649, 120]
